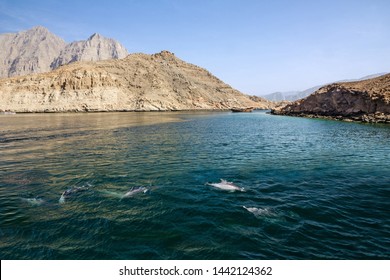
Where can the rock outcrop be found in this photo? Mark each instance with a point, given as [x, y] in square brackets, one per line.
[364, 101]
[37, 50]
[138, 82]
[269, 104]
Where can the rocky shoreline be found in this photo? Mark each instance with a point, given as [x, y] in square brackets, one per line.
[365, 118]
[2, 112]
[364, 101]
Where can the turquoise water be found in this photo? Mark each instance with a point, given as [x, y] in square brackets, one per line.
[319, 189]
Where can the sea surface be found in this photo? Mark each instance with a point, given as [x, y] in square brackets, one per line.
[313, 189]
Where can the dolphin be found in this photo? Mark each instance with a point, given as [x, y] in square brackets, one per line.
[111, 193]
[135, 191]
[227, 186]
[70, 191]
[260, 211]
[131, 193]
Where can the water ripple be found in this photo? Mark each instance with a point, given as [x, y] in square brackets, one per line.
[321, 188]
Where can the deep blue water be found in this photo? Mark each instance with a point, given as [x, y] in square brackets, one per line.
[321, 188]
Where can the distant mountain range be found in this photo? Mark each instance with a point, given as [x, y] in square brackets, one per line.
[296, 95]
[38, 50]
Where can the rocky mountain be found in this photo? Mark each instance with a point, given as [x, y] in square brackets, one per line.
[95, 48]
[139, 82]
[27, 52]
[365, 101]
[296, 95]
[38, 50]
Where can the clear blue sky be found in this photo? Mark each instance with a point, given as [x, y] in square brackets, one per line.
[256, 46]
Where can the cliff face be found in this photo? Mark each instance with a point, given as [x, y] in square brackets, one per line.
[138, 82]
[366, 101]
[37, 50]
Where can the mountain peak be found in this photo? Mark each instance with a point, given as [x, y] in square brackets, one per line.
[166, 55]
[36, 31]
[94, 36]
[39, 29]
[29, 51]
[38, 50]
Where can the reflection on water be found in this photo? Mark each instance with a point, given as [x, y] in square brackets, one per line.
[313, 188]
[76, 121]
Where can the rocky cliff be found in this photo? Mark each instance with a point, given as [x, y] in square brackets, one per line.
[37, 50]
[366, 101]
[138, 82]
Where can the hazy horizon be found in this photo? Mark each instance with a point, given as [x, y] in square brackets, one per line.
[255, 46]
